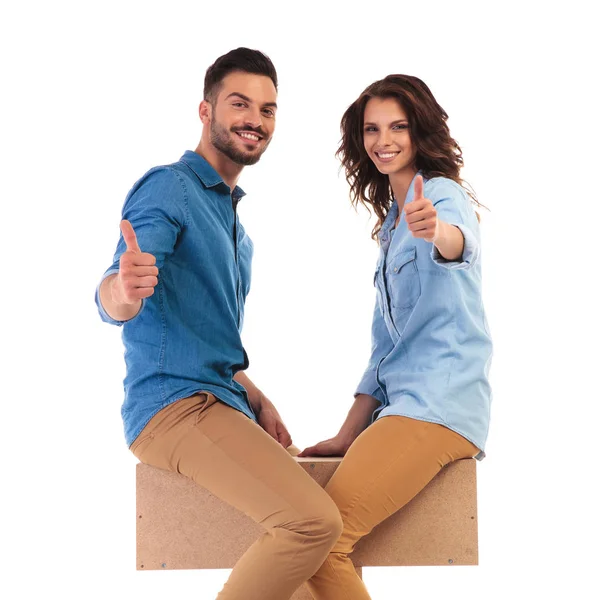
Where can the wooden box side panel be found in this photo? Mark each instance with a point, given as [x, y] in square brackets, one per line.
[181, 525]
[437, 527]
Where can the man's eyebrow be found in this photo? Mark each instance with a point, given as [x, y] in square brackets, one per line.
[244, 97]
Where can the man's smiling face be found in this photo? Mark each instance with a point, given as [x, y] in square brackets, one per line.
[243, 117]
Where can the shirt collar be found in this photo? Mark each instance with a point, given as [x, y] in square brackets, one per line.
[207, 174]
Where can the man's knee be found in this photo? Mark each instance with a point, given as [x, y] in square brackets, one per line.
[324, 523]
[336, 524]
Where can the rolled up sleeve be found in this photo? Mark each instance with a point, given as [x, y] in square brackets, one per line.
[103, 314]
[454, 207]
[470, 253]
[381, 346]
[368, 385]
[156, 209]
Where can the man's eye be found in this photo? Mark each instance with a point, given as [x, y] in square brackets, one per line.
[240, 104]
[269, 112]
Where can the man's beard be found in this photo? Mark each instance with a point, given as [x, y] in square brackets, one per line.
[222, 140]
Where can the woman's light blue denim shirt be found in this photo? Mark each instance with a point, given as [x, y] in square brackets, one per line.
[186, 337]
[431, 346]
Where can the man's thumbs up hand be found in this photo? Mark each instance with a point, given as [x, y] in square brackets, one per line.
[138, 274]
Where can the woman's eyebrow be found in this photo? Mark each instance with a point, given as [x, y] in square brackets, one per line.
[392, 123]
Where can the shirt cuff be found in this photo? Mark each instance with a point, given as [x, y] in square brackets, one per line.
[368, 385]
[470, 253]
[103, 314]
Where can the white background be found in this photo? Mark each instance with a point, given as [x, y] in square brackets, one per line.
[94, 94]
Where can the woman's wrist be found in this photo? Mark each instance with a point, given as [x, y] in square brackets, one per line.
[358, 419]
[450, 241]
[345, 439]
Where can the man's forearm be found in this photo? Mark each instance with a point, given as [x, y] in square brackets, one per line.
[255, 396]
[116, 310]
[359, 417]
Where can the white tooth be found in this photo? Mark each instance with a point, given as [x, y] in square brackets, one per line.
[250, 136]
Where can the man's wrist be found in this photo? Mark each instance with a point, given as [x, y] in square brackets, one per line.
[113, 305]
[113, 290]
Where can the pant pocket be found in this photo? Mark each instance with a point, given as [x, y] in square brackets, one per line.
[142, 443]
[204, 401]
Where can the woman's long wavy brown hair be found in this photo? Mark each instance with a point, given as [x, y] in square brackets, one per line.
[437, 153]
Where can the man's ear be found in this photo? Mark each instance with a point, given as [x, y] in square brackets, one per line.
[205, 111]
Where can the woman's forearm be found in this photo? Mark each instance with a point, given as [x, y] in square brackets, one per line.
[359, 418]
[450, 241]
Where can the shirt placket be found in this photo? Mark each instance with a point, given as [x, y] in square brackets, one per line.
[234, 203]
[382, 284]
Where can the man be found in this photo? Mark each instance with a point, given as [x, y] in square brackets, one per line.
[178, 285]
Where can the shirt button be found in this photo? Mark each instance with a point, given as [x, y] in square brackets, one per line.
[395, 269]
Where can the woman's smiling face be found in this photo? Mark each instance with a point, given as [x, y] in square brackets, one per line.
[386, 135]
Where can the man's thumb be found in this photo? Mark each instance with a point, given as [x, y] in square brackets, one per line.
[129, 236]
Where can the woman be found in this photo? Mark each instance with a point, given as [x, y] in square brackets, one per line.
[424, 398]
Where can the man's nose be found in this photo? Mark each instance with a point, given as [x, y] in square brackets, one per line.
[254, 118]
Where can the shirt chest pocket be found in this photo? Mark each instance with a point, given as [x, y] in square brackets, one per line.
[403, 285]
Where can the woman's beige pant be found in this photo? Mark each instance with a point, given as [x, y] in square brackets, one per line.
[387, 465]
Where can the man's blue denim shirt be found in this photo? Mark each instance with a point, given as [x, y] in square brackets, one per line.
[186, 337]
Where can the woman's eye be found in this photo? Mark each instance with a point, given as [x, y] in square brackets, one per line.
[369, 129]
[401, 126]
